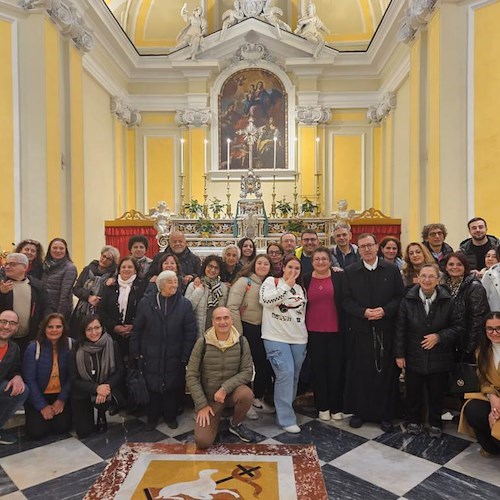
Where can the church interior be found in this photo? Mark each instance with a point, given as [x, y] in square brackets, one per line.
[234, 118]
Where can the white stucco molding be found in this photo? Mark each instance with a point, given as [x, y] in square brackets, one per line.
[312, 115]
[68, 18]
[416, 18]
[124, 113]
[192, 117]
[376, 114]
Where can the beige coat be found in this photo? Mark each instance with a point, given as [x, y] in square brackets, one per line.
[243, 301]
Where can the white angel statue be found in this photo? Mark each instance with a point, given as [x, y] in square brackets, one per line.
[192, 34]
[231, 17]
[310, 26]
[272, 15]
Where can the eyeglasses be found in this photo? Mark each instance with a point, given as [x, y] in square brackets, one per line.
[213, 268]
[436, 233]
[91, 329]
[367, 246]
[310, 239]
[31, 242]
[274, 252]
[107, 257]
[13, 264]
[5, 322]
[427, 277]
[491, 329]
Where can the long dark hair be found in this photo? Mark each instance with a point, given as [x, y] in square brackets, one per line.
[63, 241]
[240, 246]
[39, 250]
[461, 258]
[41, 335]
[484, 350]
[248, 269]
[82, 337]
[286, 260]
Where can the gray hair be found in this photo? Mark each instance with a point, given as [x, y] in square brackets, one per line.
[115, 253]
[231, 246]
[342, 225]
[164, 276]
[20, 258]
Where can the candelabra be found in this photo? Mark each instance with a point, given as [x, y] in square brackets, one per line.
[205, 197]
[318, 205]
[295, 196]
[182, 211]
[228, 196]
[273, 204]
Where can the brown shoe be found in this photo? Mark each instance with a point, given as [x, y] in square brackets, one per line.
[486, 454]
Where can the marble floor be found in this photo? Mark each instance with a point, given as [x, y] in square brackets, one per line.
[360, 463]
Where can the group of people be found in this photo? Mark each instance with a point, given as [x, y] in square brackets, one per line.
[245, 329]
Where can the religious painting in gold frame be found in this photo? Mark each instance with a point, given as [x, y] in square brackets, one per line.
[253, 98]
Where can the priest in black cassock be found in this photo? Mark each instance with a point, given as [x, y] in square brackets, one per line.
[373, 289]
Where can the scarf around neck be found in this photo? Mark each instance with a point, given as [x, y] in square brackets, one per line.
[105, 353]
[214, 290]
[123, 293]
[50, 264]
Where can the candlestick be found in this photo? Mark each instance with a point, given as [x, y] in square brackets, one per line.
[273, 204]
[228, 196]
[318, 207]
[295, 195]
[228, 154]
[205, 197]
[316, 155]
[183, 207]
[182, 156]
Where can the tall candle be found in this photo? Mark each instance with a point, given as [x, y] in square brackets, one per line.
[316, 159]
[275, 139]
[228, 154]
[182, 156]
[205, 164]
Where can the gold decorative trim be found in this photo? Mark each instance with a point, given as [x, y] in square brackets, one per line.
[133, 215]
[373, 216]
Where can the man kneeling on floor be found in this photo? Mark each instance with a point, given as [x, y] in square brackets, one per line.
[219, 368]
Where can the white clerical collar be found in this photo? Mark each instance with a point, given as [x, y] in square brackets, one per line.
[371, 267]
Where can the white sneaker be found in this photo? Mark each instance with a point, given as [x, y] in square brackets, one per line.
[262, 406]
[294, 429]
[338, 416]
[252, 414]
[325, 415]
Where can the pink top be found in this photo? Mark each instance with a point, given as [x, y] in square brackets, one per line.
[321, 314]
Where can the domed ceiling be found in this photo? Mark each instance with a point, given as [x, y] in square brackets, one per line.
[153, 25]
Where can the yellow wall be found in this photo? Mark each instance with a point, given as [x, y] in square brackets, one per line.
[308, 150]
[486, 106]
[377, 168]
[53, 132]
[160, 174]
[120, 167]
[7, 200]
[434, 112]
[130, 169]
[347, 164]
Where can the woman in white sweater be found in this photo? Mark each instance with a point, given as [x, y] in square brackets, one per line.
[285, 337]
[246, 312]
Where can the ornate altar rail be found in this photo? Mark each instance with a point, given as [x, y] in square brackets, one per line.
[118, 231]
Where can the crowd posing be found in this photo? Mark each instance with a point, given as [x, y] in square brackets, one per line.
[355, 323]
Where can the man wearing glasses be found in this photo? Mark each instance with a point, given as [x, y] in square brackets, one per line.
[25, 296]
[433, 236]
[373, 289]
[13, 392]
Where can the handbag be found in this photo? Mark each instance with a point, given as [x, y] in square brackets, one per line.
[463, 378]
[136, 384]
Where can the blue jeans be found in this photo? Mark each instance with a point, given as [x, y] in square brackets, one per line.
[9, 404]
[286, 361]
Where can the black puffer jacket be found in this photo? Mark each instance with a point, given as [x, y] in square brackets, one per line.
[164, 341]
[413, 324]
[472, 301]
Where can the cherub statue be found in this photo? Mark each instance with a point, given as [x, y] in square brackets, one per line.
[192, 34]
[272, 15]
[343, 214]
[310, 26]
[161, 216]
[231, 17]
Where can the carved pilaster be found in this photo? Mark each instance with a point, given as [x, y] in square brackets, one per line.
[124, 113]
[376, 114]
[312, 115]
[416, 18]
[68, 18]
[193, 117]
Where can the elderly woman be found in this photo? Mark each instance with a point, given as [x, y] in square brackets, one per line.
[470, 298]
[34, 251]
[90, 285]
[46, 373]
[97, 375]
[491, 283]
[481, 412]
[163, 336]
[276, 253]
[207, 293]
[230, 263]
[246, 312]
[427, 329]
[119, 302]
[390, 251]
[285, 337]
[247, 249]
[58, 277]
[326, 336]
[416, 256]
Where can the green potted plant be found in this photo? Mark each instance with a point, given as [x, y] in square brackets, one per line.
[284, 207]
[194, 208]
[204, 227]
[217, 207]
[295, 226]
[308, 207]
